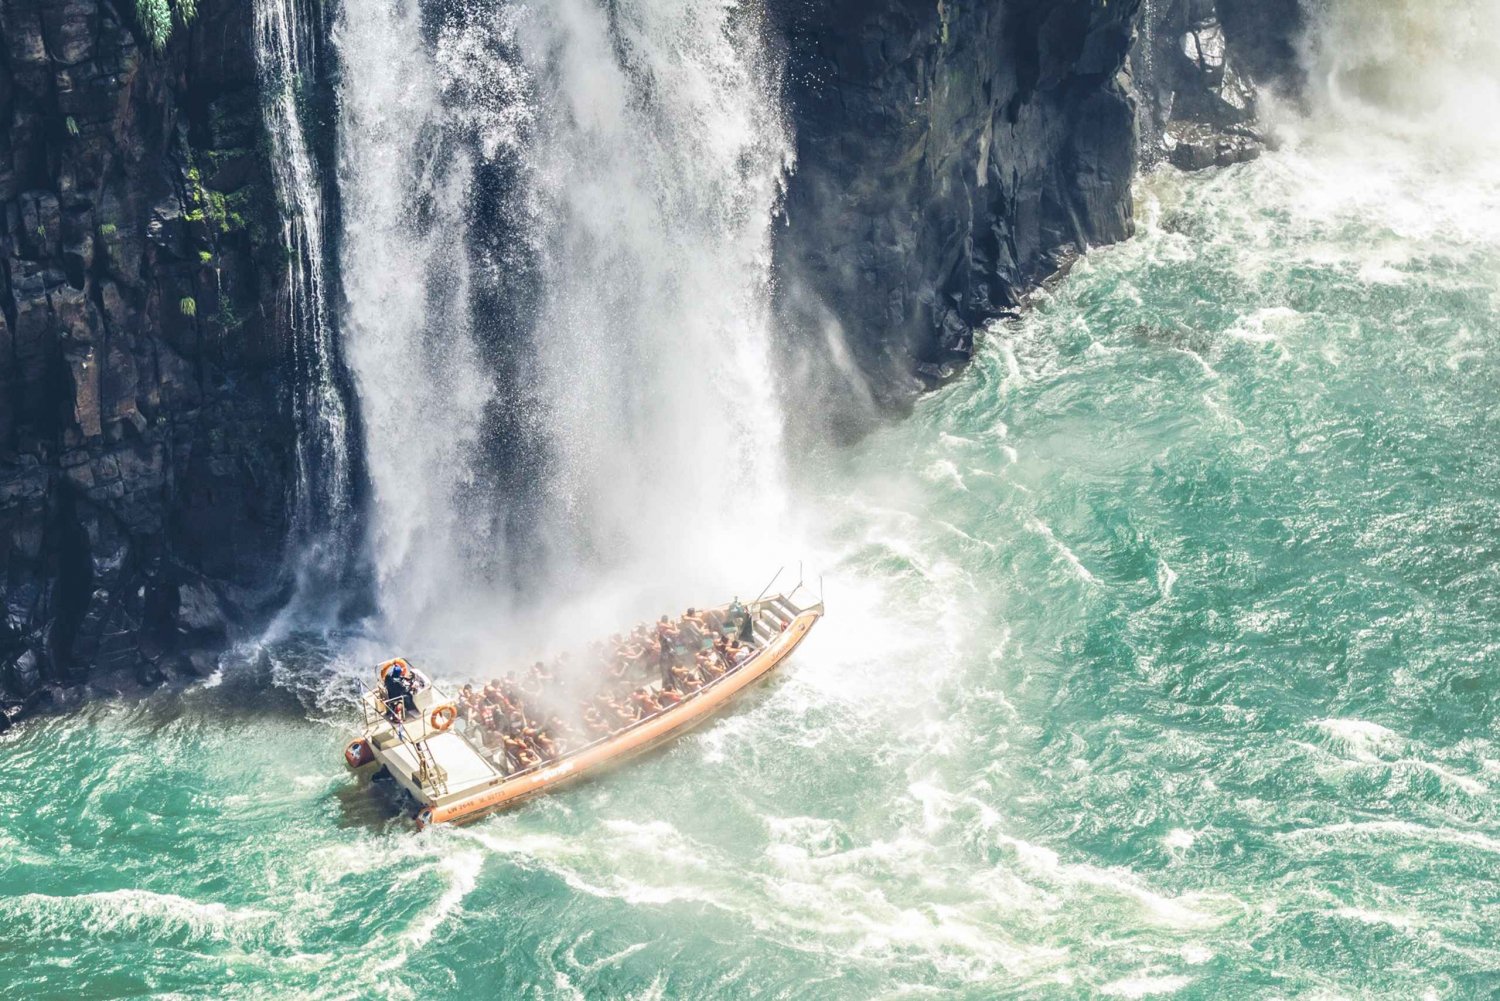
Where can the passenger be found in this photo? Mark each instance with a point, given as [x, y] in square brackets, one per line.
[527, 758]
[596, 724]
[739, 654]
[738, 618]
[709, 666]
[686, 678]
[666, 638]
[645, 705]
[691, 636]
[668, 698]
[400, 688]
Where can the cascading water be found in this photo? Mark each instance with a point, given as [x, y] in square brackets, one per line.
[286, 63]
[657, 166]
[419, 380]
[1426, 72]
[637, 151]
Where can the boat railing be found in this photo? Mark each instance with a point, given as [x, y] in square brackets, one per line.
[783, 605]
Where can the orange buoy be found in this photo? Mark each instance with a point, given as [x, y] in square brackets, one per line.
[385, 668]
[442, 717]
[358, 753]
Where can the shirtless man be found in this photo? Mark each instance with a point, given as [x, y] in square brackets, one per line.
[645, 705]
[708, 666]
[595, 723]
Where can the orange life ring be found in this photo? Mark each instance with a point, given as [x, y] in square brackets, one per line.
[442, 717]
[423, 817]
[385, 668]
[358, 753]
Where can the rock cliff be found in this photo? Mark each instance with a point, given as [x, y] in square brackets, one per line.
[143, 460]
[950, 155]
[1201, 67]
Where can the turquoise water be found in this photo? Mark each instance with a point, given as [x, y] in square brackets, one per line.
[1162, 661]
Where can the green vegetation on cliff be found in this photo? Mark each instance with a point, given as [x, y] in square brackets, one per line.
[156, 17]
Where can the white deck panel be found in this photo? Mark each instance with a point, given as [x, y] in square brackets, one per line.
[465, 767]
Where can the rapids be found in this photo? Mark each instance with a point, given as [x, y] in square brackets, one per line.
[1160, 661]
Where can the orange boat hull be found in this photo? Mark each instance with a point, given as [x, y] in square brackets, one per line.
[637, 739]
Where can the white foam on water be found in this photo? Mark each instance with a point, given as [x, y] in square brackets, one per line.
[1166, 578]
[1360, 739]
[141, 914]
[1207, 369]
[1045, 531]
[1403, 829]
[1267, 325]
[460, 872]
[1144, 986]
[1179, 839]
[1401, 922]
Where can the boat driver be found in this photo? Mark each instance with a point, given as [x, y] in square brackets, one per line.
[400, 689]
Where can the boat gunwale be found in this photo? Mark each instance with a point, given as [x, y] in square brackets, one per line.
[679, 717]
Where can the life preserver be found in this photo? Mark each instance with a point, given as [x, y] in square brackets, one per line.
[423, 817]
[442, 717]
[385, 668]
[358, 753]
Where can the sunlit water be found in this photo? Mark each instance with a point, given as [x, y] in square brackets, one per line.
[1161, 661]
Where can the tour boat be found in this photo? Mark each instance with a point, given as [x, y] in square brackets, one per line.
[452, 778]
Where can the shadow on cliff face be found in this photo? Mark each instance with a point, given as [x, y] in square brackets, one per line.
[949, 157]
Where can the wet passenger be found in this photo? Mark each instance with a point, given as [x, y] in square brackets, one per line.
[645, 705]
[666, 637]
[400, 688]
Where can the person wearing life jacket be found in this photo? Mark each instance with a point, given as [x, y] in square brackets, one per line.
[400, 688]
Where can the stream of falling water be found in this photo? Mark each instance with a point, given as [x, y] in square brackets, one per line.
[323, 506]
[634, 152]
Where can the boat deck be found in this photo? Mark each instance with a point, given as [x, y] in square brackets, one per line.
[456, 781]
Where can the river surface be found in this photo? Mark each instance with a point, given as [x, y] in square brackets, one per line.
[1162, 659]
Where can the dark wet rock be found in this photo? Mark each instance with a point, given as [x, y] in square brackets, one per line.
[142, 414]
[1200, 67]
[1198, 147]
[949, 156]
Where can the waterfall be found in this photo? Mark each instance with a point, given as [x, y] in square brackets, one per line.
[1151, 116]
[285, 59]
[659, 164]
[556, 227]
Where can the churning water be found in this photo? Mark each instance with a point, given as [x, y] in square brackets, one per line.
[1161, 658]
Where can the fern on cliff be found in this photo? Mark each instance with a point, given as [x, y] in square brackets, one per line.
[155, 18]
